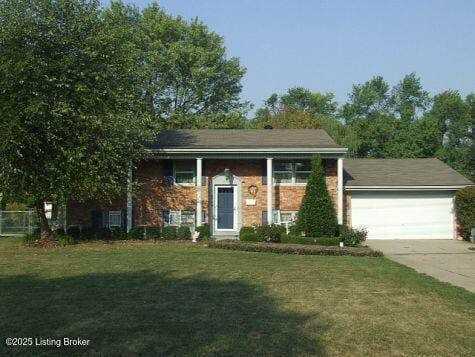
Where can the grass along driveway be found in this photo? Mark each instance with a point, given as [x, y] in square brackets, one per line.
[180, 299]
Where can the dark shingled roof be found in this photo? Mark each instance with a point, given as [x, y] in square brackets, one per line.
[243, 139]
[401, 172]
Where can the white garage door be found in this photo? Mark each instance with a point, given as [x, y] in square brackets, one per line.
[404, 215]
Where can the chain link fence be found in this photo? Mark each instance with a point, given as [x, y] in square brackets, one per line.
[14, 223]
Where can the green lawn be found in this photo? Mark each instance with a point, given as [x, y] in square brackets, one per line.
[179, 299]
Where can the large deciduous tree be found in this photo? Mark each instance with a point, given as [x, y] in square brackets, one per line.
[71, 122]
[299, 108]
[186, 73]
[456, 125]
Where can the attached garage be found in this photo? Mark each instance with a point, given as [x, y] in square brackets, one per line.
[404, 215]
[402, 198]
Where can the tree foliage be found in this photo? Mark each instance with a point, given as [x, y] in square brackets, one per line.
[465, 209]
[70, 112]
[317, 216]
[383, 122]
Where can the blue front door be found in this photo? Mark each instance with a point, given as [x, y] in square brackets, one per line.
[225, 208]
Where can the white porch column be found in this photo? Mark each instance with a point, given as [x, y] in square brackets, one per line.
[340, 191]
[270, 186]
[199, 205]
[129, 200]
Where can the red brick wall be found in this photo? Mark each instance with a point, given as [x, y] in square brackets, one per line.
[152, 196]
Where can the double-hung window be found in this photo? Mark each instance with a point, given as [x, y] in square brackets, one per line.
[179, 218]
[115, 219]
[302, 171]
[184, 172]
[291, 172]
[283, 172]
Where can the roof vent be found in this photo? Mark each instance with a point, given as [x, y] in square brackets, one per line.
[268, 127]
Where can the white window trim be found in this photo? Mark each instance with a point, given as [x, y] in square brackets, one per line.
[193, 171]
[294, 175]
[279, 218]
[170, 212]
[115, 213]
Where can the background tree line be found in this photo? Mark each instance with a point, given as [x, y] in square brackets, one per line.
[382, 122]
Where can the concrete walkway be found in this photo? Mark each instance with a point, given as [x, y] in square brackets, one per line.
[450, 261]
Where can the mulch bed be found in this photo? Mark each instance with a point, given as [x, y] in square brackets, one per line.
[297, 249]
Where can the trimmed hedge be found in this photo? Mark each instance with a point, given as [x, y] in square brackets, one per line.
[465, 210]
[246, 230]
[103, 234]
[183, 233]
[249, 237]
[204, 232]
[297, 249]
[74, 231]
[143, 233]
[137, 232]
[325, 241]
[119, 234]
[270, 233]
[169, 232]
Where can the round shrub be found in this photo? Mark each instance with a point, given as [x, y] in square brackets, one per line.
[246, 230]
[465, 210]
[270, 233]
[74, 231]
[169, 232]
[295, 230]
[152, 233]
[249, 237]
[204, 232]
[352, 237]
[183, 233]
[137, 232]
[119, 234]
[66, 239]
[103, 233]
[87, 233]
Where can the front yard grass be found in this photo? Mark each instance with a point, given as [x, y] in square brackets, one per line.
[180, 299]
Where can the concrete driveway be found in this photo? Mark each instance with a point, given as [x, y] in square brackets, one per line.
[447, 260]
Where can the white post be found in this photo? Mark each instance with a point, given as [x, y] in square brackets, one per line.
[199, 205]
[270, 185]
[129, 200]
[340, 191]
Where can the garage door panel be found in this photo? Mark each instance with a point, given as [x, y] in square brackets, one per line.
[393, 215]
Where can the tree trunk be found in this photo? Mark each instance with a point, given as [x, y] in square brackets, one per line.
[45, 230]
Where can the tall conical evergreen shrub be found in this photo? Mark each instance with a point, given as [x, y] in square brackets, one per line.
[317, 216]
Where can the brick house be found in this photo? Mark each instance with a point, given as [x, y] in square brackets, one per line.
[223, 178]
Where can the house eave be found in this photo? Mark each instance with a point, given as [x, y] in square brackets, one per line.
[406, 188]
[248, 152]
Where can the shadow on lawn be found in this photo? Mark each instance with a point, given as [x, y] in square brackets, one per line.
[151, 314]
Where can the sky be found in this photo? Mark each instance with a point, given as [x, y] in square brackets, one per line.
[327, 46]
